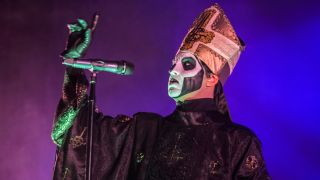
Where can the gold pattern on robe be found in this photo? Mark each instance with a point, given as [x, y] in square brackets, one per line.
[140, 157]
[78, 141]
[123, 118]
[252, 162]
[176, 153]
[214, 167]
[65, 173]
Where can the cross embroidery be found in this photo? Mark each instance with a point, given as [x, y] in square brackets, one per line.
[198, 32]
[77, 141]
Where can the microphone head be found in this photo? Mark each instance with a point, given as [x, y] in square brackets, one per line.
[128, 68]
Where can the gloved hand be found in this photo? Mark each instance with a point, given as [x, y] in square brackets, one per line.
[78, 41]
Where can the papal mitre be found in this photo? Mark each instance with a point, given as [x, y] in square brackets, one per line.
[213, 40]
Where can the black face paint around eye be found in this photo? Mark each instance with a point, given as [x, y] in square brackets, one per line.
[188, 63]
[191, 84]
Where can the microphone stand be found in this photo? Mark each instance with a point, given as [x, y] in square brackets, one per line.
[92, 99]
[114, 67]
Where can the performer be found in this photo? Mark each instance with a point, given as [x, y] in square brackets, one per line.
[197, 141]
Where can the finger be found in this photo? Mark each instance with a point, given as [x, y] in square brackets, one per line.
[83, 23]
[74, 27]
[85, 43]
[87, 35]
[95, 21]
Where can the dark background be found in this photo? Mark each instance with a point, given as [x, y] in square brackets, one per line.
[274, 90]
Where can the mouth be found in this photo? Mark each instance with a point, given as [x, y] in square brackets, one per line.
[173, 81]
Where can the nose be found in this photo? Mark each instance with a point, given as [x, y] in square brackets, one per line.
[173, 72]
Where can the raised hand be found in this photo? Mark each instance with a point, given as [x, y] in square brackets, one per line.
[79, 39]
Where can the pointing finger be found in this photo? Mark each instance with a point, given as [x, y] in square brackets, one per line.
[95, 21]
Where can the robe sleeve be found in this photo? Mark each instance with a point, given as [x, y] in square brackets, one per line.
[247, 158]
[115, 140]
[74, 93]
[112, 137]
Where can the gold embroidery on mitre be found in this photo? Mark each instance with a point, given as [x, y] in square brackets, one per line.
[213, 60]
[198, 31]
[213, 30]
[222, 25]
[252, 162]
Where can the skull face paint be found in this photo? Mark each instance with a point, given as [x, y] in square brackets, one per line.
[186, 75]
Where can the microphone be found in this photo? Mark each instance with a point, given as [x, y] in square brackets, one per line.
[117, 67]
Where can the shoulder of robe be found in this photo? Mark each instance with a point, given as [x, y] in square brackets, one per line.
[248, 153]
[147, 119]
[122, 118]
[147, 127]
[241, 131]
[147, 116]
[140, 116]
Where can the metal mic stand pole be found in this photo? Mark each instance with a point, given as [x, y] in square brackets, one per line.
[92, 100]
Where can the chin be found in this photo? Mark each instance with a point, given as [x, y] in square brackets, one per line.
[173, 93]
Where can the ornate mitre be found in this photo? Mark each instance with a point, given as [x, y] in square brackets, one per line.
[213, 40]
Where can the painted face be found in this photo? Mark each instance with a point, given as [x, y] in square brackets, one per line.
[186, 75]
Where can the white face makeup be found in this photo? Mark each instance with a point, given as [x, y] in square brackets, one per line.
[186, 75]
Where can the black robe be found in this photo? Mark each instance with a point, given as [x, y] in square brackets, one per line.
[196, 141]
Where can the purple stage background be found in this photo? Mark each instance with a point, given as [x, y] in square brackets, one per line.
[274, 89]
